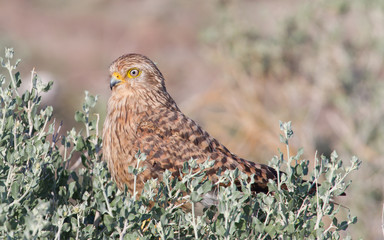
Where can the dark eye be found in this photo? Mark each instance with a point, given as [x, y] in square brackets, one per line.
[134, 72]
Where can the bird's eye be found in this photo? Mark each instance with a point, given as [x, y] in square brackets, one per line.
[133, 72]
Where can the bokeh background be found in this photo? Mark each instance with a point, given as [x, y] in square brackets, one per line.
[236, 67]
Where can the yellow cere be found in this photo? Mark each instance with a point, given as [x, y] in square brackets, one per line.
[117, 76]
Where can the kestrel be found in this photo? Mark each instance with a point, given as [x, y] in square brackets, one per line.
[143, 116]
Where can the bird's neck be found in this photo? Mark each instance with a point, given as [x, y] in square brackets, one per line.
[132, 107]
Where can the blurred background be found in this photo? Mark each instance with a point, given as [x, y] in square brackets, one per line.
[236, 67]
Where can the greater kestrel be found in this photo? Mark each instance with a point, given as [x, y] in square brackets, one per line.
[143, 116]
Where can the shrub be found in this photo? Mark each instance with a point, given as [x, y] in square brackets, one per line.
[42, 198]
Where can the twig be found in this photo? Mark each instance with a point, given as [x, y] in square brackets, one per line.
[105, 198]
[125, 228]
[194, 221]
[382, 221]
[57, 237]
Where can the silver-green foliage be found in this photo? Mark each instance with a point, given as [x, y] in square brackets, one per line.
[43, 198]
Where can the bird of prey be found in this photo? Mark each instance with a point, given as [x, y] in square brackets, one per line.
[143, 116]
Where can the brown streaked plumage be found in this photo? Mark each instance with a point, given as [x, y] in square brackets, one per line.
[143, 116]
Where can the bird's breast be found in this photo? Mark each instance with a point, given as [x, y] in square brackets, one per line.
[119, 135]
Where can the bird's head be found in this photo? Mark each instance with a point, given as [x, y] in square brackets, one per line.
[136, 80]
[135, 72]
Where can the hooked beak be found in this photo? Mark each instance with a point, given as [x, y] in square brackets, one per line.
[115, 79]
